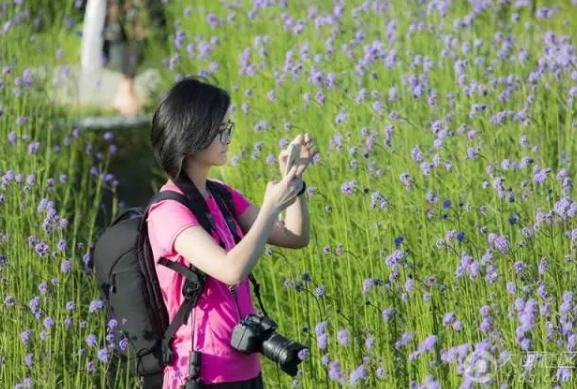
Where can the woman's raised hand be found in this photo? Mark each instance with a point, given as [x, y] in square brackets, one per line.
[307, 153]
[281, 194]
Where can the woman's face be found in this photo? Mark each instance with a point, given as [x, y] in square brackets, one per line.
[216, 153]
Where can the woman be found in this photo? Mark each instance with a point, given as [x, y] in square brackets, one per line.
[191, 130]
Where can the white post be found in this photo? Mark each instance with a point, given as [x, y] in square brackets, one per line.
[92, 39]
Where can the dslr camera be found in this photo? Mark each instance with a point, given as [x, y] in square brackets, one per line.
[258, 333]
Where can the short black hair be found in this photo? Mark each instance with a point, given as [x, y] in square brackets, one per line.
[186, 120]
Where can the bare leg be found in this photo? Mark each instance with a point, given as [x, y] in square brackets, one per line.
[125, 100]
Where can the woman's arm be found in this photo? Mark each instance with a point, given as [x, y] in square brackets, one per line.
[198, 248]
[298, 221]
[282, 235]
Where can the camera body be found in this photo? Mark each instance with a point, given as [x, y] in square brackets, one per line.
[248, 335]
[258, 333]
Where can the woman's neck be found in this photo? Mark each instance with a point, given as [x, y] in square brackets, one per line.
[198, 175]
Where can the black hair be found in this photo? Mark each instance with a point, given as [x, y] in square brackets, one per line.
[187, 120]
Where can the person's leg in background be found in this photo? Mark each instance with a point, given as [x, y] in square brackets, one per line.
[120, 55]
[125, 100]
[130, 26]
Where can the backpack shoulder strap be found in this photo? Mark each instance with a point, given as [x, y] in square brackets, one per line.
[226, 204]
[194, 276]
[224, 193]
[205, 219]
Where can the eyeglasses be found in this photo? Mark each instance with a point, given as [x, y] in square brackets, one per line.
[226, 132]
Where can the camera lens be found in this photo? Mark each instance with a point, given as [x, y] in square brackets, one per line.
[284, 352]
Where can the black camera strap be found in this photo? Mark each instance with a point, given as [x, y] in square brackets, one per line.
[205, 218]
[229, 217]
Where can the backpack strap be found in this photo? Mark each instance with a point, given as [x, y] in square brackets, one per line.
[195, 277]
[195, 280]
[192, 290]
[226, 204]
[198, 208]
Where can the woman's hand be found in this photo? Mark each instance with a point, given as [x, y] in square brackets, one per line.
[307, 153]
[281, 194]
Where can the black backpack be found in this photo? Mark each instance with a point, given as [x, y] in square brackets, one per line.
[127, 279]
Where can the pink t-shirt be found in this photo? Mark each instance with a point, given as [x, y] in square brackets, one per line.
[216, 314]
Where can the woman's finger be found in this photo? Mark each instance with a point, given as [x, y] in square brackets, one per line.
[292, 172]
[301, 168]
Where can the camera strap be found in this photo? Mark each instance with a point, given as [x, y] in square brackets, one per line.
[231, 224]
[205, 218]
